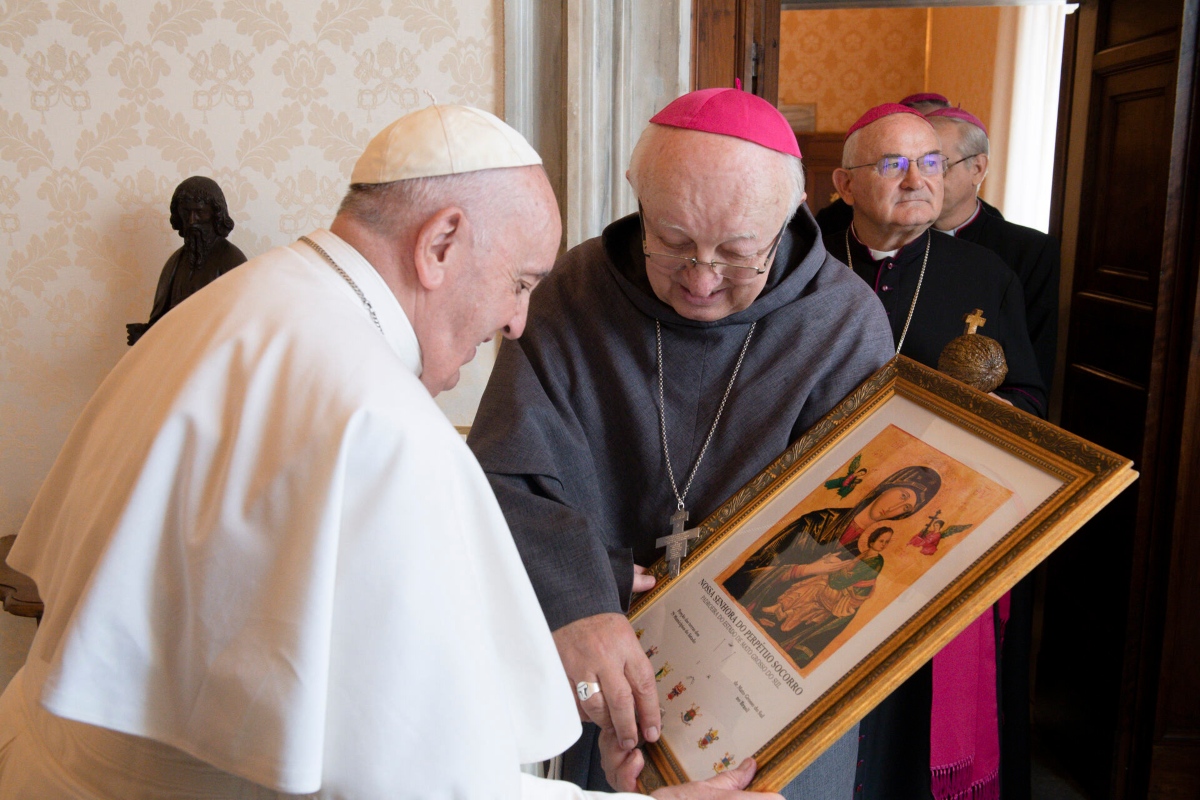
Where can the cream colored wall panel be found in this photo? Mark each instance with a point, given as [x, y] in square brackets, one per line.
[106, 106]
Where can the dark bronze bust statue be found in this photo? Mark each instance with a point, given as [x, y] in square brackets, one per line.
[199, 214]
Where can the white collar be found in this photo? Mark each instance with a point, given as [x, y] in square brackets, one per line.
[954, 231]
[397, 329]
[876, 255]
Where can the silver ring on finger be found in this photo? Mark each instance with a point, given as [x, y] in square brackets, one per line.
[586, 689]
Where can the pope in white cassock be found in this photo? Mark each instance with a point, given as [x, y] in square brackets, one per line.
[270, 565]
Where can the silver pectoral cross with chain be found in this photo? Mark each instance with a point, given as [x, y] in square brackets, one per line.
[677, 542]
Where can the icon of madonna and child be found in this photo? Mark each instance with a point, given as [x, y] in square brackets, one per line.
[830, 565]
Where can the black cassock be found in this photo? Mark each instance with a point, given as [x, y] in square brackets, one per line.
[960, 277]
[835, 217]
[1031, 254]
[1034, 256]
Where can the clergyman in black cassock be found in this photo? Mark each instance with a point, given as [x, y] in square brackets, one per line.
[892, 176]
[1034, 257]
[1031, 254]
[568, 430]
[959, 278]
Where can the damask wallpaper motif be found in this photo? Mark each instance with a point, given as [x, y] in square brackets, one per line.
[848, 61]
[106, 106]
[962, 57]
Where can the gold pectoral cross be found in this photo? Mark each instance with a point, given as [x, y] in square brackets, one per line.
[677, 542]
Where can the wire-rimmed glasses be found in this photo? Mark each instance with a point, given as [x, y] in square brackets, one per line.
[734, 271]
[961, 160]
[894, 166]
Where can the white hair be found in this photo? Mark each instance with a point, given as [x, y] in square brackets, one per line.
[388, 208]
[974, 140]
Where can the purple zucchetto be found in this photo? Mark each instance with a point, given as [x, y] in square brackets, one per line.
[731, 112]
[881, 111]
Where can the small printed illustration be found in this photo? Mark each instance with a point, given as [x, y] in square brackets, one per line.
[855, 474]
[934, 531]
[638, 633]
[708, 738]
[676, 690]
[650, 653]
[725, 763]
[822, 572]
[663, 672]
[690, 714]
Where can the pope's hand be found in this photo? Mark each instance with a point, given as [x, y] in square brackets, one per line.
[604, 649]
[726, 786]
[622, 767]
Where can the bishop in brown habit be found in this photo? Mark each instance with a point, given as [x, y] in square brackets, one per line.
[721, 286]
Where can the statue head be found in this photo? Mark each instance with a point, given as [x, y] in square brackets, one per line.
[200, 215]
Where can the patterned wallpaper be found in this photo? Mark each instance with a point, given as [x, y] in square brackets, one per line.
[848, 61]
[962, 58]
[105, 106]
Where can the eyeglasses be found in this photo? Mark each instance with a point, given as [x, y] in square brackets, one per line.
[964, 158]
[895, 166]
[741, 270]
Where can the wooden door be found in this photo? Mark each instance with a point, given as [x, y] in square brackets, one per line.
[736, 39]
[1116, 700]
[822, 155]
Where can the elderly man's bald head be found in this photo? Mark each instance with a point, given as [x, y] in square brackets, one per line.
[890, 211]
[662, 149]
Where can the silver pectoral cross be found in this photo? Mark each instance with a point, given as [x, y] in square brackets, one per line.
[677, 542]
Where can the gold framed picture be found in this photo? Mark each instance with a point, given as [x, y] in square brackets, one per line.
[848, 563]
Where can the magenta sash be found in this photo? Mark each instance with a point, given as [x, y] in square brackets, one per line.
[964, 729]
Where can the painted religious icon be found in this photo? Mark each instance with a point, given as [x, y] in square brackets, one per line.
[834, 573]
[816, 577]
[934, 531]
[847, 483]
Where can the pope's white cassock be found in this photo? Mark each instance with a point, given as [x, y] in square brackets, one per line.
[272, 567]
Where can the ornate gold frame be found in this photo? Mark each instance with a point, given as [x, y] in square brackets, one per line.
[1091, 475]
